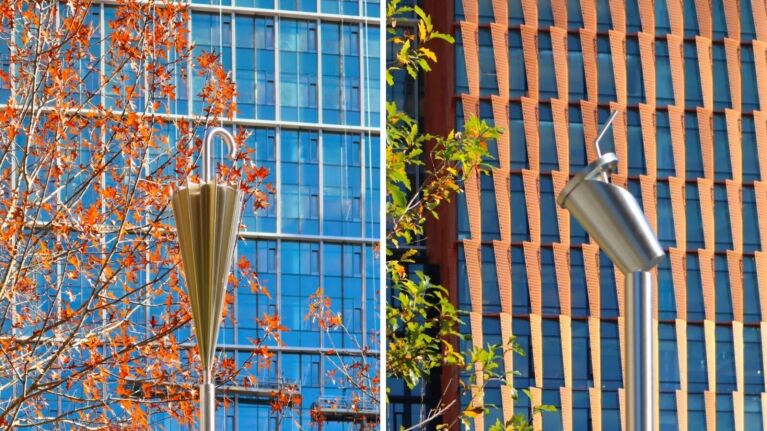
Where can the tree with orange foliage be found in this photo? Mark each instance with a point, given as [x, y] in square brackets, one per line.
[94, 329]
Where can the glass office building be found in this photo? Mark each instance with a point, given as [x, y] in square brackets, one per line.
[308, 75]
[689, 80]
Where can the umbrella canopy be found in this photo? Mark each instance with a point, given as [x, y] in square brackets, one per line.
[207, 221]
[207, 218]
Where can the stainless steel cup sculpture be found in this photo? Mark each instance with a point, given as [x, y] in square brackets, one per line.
[613, 218]
[207, 220]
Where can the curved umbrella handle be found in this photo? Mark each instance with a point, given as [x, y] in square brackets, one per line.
[206, 159]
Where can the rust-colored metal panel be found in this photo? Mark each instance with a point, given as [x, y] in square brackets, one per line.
[676, 124]
[706, 258]
[622, 345]
[678, 260]
[500, 35]
[759, 10]
[530, 12]
[706, 68]
[703, 11]
[710, 402]
[536, 340]
[732, 16]
[760, 125]
[589, 52]
[475, 321]
[735, 269]
[559, 112]
[471, 54]
[533, 266]
[760, 190]
[591, 267]
[647, 15]
[562, 268]
[502, 201]
[709, 329]
[676, 187]
[559, 51]
[676, 62]
[647, 57]
[471, 11]
[502, 251]
[681, 409]
[473, 252]
[738, 408]
[559, 10]
[763, 333]
[622, 405]
[706, 194]
[595, 404]
[566, 340]
[735, 206]
[681, 351]
[559, 179]
[508, 364]
[706, 132]
[649, 200]
[760, 66]
[531, 119]
[589, 13]
[618, 15]
[590, 127]
[618, 53]
[501, 119]
[620, 139]
[531, 183]
[676, 16]
[530, 52]
[732, 52]
[648, 119]
[501, 12]
[537, 398]
[566, 401]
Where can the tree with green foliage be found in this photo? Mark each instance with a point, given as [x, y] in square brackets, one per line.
[421, 321]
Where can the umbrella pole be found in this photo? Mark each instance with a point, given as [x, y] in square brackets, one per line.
[207, 404]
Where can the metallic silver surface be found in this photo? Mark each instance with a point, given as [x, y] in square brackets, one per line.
[207, 407]
[207, 219]
[639, 352]
[612, 217]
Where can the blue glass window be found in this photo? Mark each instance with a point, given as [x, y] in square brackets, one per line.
[547, 77]
[300, 182]
[518, 141]
[255, 67]
[549, 222]
[664, 83]
[666, 233]
[577, 140]
[373, 186]
[751, 303]
[633, 21]
[211, 33]
[667, 357]
[725, 359]
[725, 420]
[606, 81]
[520, 297]
[372, 90]
[264, 144]
[664, 147]
[342, 283]
[491, 296]
[553, 375]
[752, 341]
[608, 295]
[301, 5]
[262, 256]
[265, 4]
[579, 293]
[341, 80]
[748, 72]
[341, 185]
[519, 226]
[718, 20]
[748, 146]
[751, 238]
[547, 140]
[636, 160]
[634, 77]
[575, 71]
[695, 308]
[662, 24]
[696, 359]
[668, 420]
[549, 291]
[611, 357]
[722, 98]
[690, 19]
[298, 70]
[694, 223]
[696, 406]
[345, 7]
[300, 276]
[666, 298]
[611, 418]
[517, 74]
[693, 152]
[723, 297]
[523, 365]
[490, 226]
[581, 360]
[488, 81]
[461, 79]
[693, 92]
[723, 233]
[753, 412]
